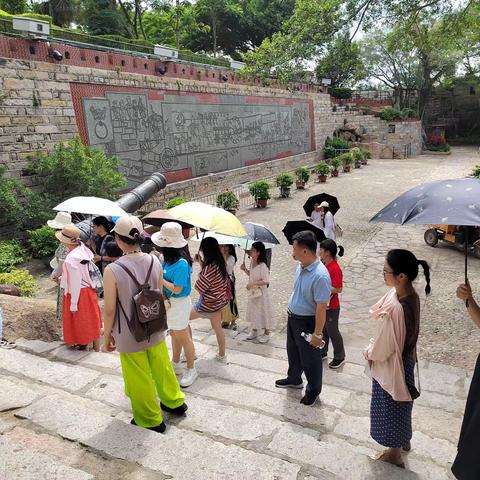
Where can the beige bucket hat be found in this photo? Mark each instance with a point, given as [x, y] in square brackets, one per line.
[170, 236]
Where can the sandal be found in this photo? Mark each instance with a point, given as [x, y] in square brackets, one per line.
[382, 458]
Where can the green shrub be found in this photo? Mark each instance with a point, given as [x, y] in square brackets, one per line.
[366, 154]
[21, 207]
[42, 242]
[22, 279]
[227, 200]
[260, 190]
[77, 169]
[476, 171]
[329, 152]
[357, 154]
[439, 148]
[11, 253]
[409, 113]
[175, 201]
[322, 169]
[302, 174]
[338, 143]
[391, 113]
[37, 16]
[335, 163]
[346, 159]
[284, 180]
[340, 92]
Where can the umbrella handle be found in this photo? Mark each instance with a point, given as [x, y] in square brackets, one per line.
[466, 261]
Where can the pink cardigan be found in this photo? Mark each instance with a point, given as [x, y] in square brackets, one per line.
[75, 275]
[384, 353]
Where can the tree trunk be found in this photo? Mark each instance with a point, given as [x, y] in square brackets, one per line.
[138, 6]
[214, 33]
[177, 24]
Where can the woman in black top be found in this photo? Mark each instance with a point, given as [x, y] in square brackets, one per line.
[106, 249]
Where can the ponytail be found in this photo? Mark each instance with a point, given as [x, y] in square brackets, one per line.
[426, 272]
[341, 251]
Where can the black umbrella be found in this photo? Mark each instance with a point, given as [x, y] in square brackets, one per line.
[260, 233]
[158, 217]
[333, 204]
[294, 226]
[453, 202]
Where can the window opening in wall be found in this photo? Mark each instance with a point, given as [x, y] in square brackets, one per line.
[67, 55]
[123, 63]
[145, 66]
[82, 56]
[183, 71]
[391, 128]
[97, 59]
[213, 75]
[32, 50]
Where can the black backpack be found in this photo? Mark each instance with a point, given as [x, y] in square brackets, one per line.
[149, 315]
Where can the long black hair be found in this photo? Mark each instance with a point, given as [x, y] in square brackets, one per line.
[262, 255]
[404, 261]
[232, 252]
[212, 255]
[173, 255]
[332, 247]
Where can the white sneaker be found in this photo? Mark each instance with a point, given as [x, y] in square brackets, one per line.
[177, 367]
[263, 338]
[189, 377]
[183, 358]
[220, 359]
[5, 344]
[253, 335]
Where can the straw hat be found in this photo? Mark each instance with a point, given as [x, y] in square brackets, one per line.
[128, 227]
[60, 220]
[69, 235]
[170, 235]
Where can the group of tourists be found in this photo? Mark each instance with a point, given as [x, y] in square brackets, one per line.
[313, 319]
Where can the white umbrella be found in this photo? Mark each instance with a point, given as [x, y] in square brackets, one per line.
[91, 206]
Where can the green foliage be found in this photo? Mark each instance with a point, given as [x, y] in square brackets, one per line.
[13, 7]
[77, 169]
[476, 171]
[20, 206]
[391, 113]
[335, 163]
[22, 279]
[260, 190]
[439, 148]
[11, 254]
[227, 200]
[42, 242]
[357, 154]
[38, 16]
[366, 154]
[341, 92]
[346, 159]
[302, 174]
[173, 202]
[338, 143]
[322, 169]
[342, 63]
[100, 17]
[329, 151]
[284, 180]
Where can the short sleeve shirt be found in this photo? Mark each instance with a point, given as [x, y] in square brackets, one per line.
[213, 288]
[336, 277]
[178, 273]
[312, 286]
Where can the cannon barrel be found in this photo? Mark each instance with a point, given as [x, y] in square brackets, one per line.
[137, 197]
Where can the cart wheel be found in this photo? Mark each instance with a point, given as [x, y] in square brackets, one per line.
[476, 251]
[431, 237]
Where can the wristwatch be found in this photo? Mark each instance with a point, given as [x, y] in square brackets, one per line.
[319, 337]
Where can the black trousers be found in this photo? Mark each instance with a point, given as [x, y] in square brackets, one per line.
[331, 332]
[302, 357]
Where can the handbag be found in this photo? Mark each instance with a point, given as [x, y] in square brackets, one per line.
[338, 231]
[412, 389]
[254, 292]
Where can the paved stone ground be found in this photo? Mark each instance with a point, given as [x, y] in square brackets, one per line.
[64, 414]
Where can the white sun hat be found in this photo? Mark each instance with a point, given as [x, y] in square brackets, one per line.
[60, 220]
[170, 236]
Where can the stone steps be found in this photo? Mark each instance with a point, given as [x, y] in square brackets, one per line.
[238, 425]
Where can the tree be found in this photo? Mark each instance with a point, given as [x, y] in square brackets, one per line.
[63, 12]
[14, 6]
[342, 63]
[102, 17]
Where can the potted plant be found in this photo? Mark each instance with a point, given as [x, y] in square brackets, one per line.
[347, 160]
[303, 175]
[228, 201]
[335, 164]
[322, 171]
[284, 181]
[260, 191]
[366, 156]
[175, 201]
[357, 156]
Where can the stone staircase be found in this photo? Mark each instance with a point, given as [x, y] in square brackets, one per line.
[65, 416]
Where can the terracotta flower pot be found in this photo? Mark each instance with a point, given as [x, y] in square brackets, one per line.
[322, 178]
[347, 168]
[365, 162]
[300, 185]
[334, 173]
[261, 202]
[358, 164]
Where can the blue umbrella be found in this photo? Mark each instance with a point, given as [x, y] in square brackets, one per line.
[453, 202]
